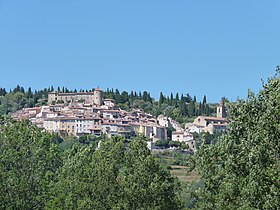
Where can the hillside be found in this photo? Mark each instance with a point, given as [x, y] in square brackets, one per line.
[180, 107]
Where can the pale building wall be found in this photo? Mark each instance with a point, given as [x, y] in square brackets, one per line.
[84, 125]
[163, 121]
[178, 136]
[98, 97]
[221, 110]
[51, 126]
[89, 97]
[200, 121]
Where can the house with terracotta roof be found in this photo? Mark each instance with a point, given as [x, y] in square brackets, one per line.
[213, 124]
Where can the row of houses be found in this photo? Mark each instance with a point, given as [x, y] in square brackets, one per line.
[76, 114]
[200, 124]
[79, 118]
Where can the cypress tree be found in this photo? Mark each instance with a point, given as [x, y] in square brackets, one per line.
[171, 99]
[161, 99]
[204, 100]
[191, 109]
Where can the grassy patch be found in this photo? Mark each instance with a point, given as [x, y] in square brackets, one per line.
[182, 173]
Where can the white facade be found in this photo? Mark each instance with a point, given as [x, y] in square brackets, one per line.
[192, 128]
[109, 103]
[84, 126]
[110, 129]
[163, 121]
[183, 136]
[51, 126]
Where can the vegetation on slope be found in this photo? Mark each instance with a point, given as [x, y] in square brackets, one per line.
[242, 169]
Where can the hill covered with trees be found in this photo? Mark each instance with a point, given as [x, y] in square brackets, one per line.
[181, 107]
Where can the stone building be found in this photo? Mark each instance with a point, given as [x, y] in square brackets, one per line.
[213, 124]
[221, 110]
[95, 97]
[184, 136]
[67, 126]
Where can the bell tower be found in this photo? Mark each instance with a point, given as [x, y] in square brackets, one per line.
[221, 110]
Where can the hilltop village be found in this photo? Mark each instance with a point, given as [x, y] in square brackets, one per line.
[81, 113]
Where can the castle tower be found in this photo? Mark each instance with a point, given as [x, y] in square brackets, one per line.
[221, 110]
[51, 97]
[98, 97]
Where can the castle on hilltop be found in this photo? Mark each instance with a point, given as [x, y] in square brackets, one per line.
[96, 97]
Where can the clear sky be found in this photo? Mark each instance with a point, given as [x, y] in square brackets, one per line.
[217, 48]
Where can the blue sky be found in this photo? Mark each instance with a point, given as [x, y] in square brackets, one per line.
[217, 48]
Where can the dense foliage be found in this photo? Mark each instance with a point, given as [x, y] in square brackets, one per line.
[19, 98]
[242, 170]
[28, 164]
[36, 174]
[181, 108]
[114, 177]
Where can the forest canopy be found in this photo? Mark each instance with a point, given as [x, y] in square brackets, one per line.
[242, 169]
[36, 174]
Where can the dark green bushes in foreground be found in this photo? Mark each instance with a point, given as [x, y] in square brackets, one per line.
[35, 174]
[29, 163]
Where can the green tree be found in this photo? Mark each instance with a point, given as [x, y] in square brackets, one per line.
[162, 143]
[3, 91]
[28, 164]
[29, 93]
[242, 169]
[114, 177]
[204, 100]
[191, 109]
[171, 99]
[161, 99]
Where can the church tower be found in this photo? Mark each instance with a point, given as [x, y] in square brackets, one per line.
[221, 110]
